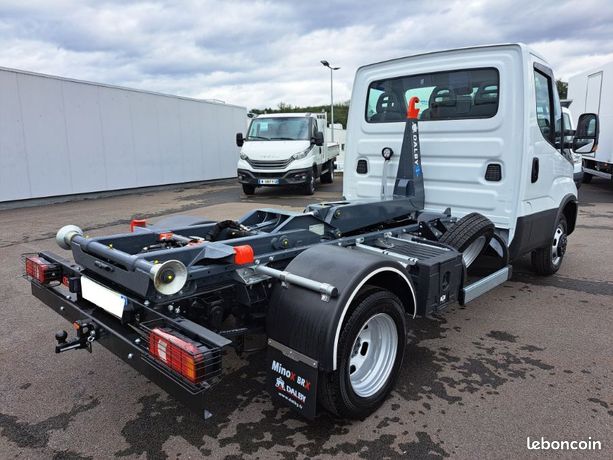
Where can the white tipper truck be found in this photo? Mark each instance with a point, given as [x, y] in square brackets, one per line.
[286, 149]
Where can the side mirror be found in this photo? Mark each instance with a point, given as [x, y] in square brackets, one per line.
[240, 140]
[318, 139]
[586, 134]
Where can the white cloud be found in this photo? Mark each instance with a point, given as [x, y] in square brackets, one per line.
[260, 53]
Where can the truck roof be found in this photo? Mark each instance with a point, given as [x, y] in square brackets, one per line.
[522, 46]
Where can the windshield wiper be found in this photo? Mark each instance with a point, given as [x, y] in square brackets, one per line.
[283, 139]
[258, 137]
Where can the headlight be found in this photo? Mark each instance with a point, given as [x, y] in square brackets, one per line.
[577, 157]
[244, 157]
[301, 155]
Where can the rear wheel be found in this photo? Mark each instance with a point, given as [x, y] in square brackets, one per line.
[587, 178]
[547, 260]
[470, 235]
[370, 352]
[328, 177]
[248, 189]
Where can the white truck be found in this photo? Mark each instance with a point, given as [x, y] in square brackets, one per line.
[334, 288]
[592, 91]
[487, 143]
[286, 149]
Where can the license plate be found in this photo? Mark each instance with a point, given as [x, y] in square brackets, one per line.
[101, 296]
[268, 181]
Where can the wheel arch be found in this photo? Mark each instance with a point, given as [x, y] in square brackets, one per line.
[389, 278]
[570, 210]
[301, 320]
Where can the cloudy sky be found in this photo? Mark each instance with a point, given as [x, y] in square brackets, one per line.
[260, 53]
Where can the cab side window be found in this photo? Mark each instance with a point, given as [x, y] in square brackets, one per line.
[548, 111]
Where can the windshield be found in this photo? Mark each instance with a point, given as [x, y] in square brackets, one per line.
[279, 128]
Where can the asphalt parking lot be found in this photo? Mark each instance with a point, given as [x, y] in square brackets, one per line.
[533, 358]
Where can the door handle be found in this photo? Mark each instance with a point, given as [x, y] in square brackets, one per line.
[535, 170]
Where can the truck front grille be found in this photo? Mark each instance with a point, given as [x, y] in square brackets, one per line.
[273, 164]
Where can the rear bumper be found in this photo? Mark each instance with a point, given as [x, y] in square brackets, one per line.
[125, 342]
[292, 177]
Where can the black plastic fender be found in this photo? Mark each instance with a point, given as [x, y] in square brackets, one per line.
[304, 321]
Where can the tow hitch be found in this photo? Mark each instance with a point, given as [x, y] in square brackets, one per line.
[86, 334]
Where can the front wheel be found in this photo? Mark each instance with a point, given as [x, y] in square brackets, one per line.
[370, 352]
[248, 189]
[309, 187]
[547, 260]
[587, 178]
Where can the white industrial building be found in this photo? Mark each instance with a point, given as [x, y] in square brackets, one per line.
[60, 136]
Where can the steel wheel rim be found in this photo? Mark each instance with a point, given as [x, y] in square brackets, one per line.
[556, 247]
[373, 355]
[473, 250]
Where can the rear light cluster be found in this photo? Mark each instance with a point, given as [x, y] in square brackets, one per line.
[178, 352]
[42, 270]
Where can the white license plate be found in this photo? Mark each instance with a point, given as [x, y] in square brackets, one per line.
[268, 181]
[103, 297]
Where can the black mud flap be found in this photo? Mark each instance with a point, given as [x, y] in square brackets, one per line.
[292, 378]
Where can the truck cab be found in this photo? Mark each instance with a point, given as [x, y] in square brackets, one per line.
[286, 149]
[487, 143]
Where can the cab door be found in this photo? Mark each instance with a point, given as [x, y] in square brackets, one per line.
[549, 171]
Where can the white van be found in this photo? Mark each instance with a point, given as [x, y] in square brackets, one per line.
[487, 144]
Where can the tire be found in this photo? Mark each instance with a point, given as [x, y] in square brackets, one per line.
[548, 260]
[470, 235]
[328, 177]
[248, 189]
[309, 187]
[587, 178]
[370, 352]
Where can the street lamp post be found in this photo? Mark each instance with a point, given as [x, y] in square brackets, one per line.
[332, 69]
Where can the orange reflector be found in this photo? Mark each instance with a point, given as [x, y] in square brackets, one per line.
[243, 255]
[137, 223]
[177, 352]
[165, 236]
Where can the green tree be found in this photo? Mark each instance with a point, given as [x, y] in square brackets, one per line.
[341, 110]
[562, 89]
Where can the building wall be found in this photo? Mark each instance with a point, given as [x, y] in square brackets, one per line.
[63, 137]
